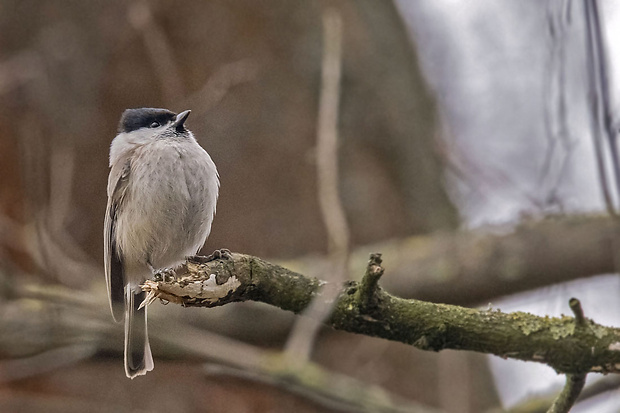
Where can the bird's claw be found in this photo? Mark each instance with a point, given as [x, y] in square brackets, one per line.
[164, 275]
[222, 253]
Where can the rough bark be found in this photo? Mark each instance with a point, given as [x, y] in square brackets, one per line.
[364, 308]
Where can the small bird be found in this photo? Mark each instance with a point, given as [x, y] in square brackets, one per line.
[162, 191]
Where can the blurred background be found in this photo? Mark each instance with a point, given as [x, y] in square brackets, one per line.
[476, 151]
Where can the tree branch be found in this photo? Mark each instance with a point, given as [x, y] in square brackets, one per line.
[557, 342]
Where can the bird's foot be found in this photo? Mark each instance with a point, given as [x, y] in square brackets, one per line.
[223, 253]
[165, 275]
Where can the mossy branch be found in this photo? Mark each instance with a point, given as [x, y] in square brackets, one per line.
[364, 308]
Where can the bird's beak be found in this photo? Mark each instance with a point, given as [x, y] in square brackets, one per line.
[180, 120]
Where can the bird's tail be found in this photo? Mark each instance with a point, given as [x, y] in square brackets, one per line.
[138, 358]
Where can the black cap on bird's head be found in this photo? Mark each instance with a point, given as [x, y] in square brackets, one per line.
[134, 119]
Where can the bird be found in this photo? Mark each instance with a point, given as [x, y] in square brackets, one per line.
[162, 194]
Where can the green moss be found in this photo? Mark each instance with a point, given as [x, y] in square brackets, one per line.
[562, 331]
[598, 330]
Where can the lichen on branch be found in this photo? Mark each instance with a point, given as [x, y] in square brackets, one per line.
[365, 308]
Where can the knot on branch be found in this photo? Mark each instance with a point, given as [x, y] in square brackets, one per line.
[367, 293]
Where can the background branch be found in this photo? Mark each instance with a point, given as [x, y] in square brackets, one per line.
[473, 267]
[68, 342]
[303, 335]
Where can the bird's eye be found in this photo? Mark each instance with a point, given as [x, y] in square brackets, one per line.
[155, 125]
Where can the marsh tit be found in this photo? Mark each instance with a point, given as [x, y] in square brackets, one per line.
[162, 191]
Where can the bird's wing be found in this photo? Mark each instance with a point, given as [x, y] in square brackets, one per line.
[113, 261]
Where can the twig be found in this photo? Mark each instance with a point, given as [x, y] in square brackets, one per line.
[62, 172]
[45, 362]
[330, 389]
[370, 282]
[600, 115]
[219, 84]
[574, 382]
[558, 133]
[159, 50]
[566, 399]
[575, 306]
[304, 332]
[541, 403]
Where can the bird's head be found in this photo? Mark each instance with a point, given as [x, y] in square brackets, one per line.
[152, 121]
[141, 126]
